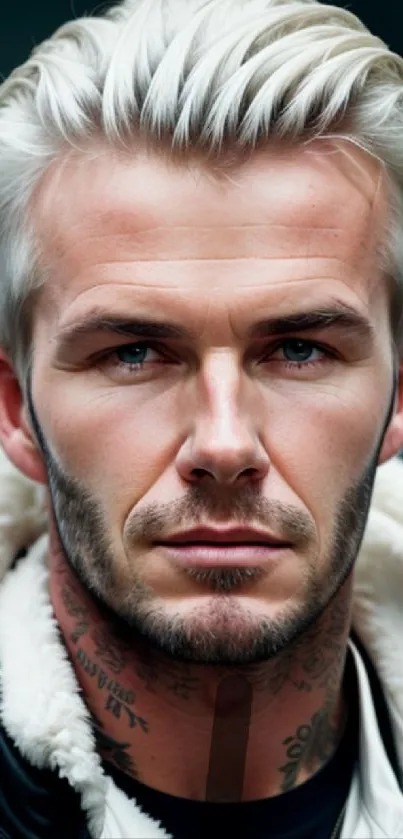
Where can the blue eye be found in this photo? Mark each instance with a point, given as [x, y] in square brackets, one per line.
[133, 353]
[140, 359]
[298, 351]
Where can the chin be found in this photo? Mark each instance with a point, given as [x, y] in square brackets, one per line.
[222, 630]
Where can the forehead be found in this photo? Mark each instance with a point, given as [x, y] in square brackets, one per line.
[106, 220]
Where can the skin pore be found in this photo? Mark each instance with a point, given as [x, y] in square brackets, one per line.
[252, 384]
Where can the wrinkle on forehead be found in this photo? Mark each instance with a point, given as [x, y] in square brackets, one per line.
[98, 215]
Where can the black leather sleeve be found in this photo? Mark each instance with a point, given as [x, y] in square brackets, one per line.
[36, 803]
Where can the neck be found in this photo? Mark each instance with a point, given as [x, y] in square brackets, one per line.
[203, 732]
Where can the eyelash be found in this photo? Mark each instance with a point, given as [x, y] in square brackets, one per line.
[138, 367]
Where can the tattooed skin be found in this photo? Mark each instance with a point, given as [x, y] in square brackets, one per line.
[112, 750]
[317, 662]
[302, 666]
[314, 742]
[119, 699]
[310, 747]
[116, 653]
[177, 679]
[109, 651]
[75, 610]
[312, 666]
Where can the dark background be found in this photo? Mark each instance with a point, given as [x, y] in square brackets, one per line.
[27, 22]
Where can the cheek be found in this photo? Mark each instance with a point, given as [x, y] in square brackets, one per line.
[117, 445]
[322, 443]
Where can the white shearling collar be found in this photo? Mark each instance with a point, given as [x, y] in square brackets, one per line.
[42, 709]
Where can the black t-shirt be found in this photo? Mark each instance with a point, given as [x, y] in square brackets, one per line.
[309, 811]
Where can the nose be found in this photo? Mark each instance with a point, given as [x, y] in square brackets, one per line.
[224, 442]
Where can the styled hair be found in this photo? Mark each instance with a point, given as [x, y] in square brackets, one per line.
[211, 75]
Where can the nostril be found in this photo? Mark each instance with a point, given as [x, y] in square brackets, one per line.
[249, 473]
[244, 475]
[200, 473]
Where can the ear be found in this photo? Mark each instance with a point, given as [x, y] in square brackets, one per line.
[393, 439]
[16, 435]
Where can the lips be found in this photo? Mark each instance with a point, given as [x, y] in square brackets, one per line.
[227, 547]
[224, 537]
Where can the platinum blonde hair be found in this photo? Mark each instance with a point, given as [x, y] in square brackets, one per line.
[213, 75]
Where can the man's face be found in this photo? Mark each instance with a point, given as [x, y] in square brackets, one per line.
[203, 407]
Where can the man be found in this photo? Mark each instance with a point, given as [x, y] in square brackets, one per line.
[201, 366]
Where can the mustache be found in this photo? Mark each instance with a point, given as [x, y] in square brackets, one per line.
[211, 504]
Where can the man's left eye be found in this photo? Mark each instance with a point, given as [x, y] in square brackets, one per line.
[137, 354]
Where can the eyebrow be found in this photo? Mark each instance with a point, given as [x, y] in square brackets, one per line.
[118, 325]
[340, 316]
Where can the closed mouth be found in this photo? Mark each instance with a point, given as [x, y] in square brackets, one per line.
[229, 538]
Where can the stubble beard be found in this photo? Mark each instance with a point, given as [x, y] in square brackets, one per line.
[223, 631]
